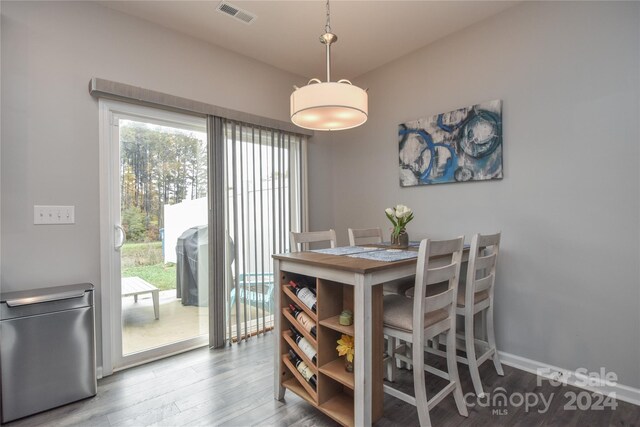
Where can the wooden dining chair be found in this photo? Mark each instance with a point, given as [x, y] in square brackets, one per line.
[416, 320]
[363, 236]
[304, 238]
[476, 296]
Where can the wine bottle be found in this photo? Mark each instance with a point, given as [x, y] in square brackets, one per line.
[302, 367]
[303, 319]
[304, 344]
[305, 295]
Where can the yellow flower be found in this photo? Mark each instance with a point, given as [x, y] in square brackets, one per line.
[345, 346]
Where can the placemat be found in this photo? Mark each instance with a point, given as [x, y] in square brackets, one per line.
[386, 255]
[346, 250]
[412, 244]
[416, 244]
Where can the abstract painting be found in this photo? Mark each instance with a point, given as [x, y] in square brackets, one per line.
[459, 146]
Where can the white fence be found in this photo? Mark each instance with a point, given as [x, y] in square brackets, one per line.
[178, 218]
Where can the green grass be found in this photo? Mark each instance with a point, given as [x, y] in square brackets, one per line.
[134, 254]
[163, 276]
[145, 260]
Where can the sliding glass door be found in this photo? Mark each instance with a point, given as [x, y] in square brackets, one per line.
[160, 221]
[193, 208]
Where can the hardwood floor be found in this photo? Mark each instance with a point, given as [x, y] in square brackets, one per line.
[234, 387]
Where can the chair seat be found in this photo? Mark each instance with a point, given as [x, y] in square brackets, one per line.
[479, 296]
[398, 287]
[441, 287]
[398, 313]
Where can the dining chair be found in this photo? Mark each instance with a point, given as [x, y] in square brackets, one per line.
[476, 296]
[416, 320]
[363, 236]
[304, 238]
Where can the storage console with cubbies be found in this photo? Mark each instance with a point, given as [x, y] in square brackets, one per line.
[331, 389]
[341, 282]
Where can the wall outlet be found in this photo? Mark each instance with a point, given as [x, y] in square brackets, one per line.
[54, 215]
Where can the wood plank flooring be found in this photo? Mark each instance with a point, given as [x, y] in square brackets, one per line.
[234, 387]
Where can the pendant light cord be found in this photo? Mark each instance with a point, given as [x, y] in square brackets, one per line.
[327, 27]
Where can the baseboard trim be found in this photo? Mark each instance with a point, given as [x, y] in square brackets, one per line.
[576, 379]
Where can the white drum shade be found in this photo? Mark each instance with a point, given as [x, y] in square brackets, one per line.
[329, 106]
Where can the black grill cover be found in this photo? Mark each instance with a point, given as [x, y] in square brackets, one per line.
[187, 266]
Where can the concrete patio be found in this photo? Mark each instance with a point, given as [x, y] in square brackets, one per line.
[177, 322]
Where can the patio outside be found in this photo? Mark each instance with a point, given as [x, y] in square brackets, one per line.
[160, 165]
[176, 322]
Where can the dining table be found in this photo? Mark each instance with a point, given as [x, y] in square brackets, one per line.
[365, 272]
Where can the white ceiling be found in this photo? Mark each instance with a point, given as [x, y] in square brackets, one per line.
[285, 34]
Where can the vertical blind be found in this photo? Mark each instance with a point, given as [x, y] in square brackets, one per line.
[263, 202]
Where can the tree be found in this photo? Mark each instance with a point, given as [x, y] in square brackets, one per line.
[133, 224]
[158, 166]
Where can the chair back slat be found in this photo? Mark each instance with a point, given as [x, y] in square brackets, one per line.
[441, 300]
[312, 237]
[444, 247]
[486, 262]
[484, 283]
[481, 271]
[363, 236]
[488, 240]
[441, 274]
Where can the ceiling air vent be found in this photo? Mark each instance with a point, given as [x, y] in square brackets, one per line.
[236, 12]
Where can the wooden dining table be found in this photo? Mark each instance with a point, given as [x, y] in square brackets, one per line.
[366, 277]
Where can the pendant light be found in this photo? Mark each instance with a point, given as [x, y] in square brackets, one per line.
[329, 105]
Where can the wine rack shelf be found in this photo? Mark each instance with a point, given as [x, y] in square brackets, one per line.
[334, 323]
[289, 339]
[335, 370]
[310, 391]
[340, 408]
[293, 297]
[292, 321]
[293, 385]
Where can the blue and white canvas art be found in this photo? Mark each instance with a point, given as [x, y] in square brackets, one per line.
[459, 146]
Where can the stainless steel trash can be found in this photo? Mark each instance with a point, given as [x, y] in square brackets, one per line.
[47, 349]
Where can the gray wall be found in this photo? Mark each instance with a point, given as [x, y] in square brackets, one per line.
[568, 73]
[50, 50]
[320, 166]
[568, 289]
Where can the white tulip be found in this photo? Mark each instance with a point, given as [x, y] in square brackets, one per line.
[400, 211]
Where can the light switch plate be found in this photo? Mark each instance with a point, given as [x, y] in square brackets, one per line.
[53, 215]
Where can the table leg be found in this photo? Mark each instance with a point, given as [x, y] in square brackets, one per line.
[364, 349]
[278, 390]
[156, 303]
